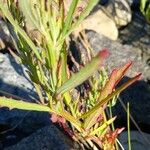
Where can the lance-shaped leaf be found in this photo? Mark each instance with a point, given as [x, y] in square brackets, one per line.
[19, 104]
[109, 97]
[84, 14]
[7, 14]
[72, 120]
[69, 18]
[84, 73]
[103, 126]
[115, 77]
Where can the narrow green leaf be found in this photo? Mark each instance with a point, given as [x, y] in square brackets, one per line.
[143, 5]
[84, 73]
[18, 104]
[72, 120]
[109, 97]
[128, 127]
[7, 14]
[103, 126]
[70, 16]
[82, 16]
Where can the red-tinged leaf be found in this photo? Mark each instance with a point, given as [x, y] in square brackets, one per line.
[54, 118]
[68, 130]
[109, 86]
[78, 78]
[115, 77]
[122, 71]
[104, 53]
[113, 135]
[96, 108]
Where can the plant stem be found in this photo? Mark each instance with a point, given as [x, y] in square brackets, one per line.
[128, 124]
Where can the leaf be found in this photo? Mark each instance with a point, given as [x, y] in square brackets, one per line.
[72, 120]
[26, 8]
[114, 78]
[84, 73]
[18, 104]
[8, 15]
[83, 15]
[143, 5]
[111, 137]
[69, 18]
[103, 126]
[92, 119]
[109, 97]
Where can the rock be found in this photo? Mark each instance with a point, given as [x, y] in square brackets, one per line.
[119, 11]
[100, 23]
[138, 142]
[47, 138]
[13, 79]
[14, 75]
[119, 54]
[137, 34]
[106, 21]
[5, 38]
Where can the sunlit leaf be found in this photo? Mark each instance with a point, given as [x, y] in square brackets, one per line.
[69, 18]
[84, 73]
[7, 14]
[113, 80]
[18, 104]
[103, 126]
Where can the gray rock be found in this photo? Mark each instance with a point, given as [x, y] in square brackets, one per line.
[137, 34]
[5, 38]
[120, 54]
[47, 138]
[131, 2]
[14, 80]
[14, 75]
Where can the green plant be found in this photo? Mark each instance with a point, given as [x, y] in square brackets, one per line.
[145, 9]
[42, 28]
